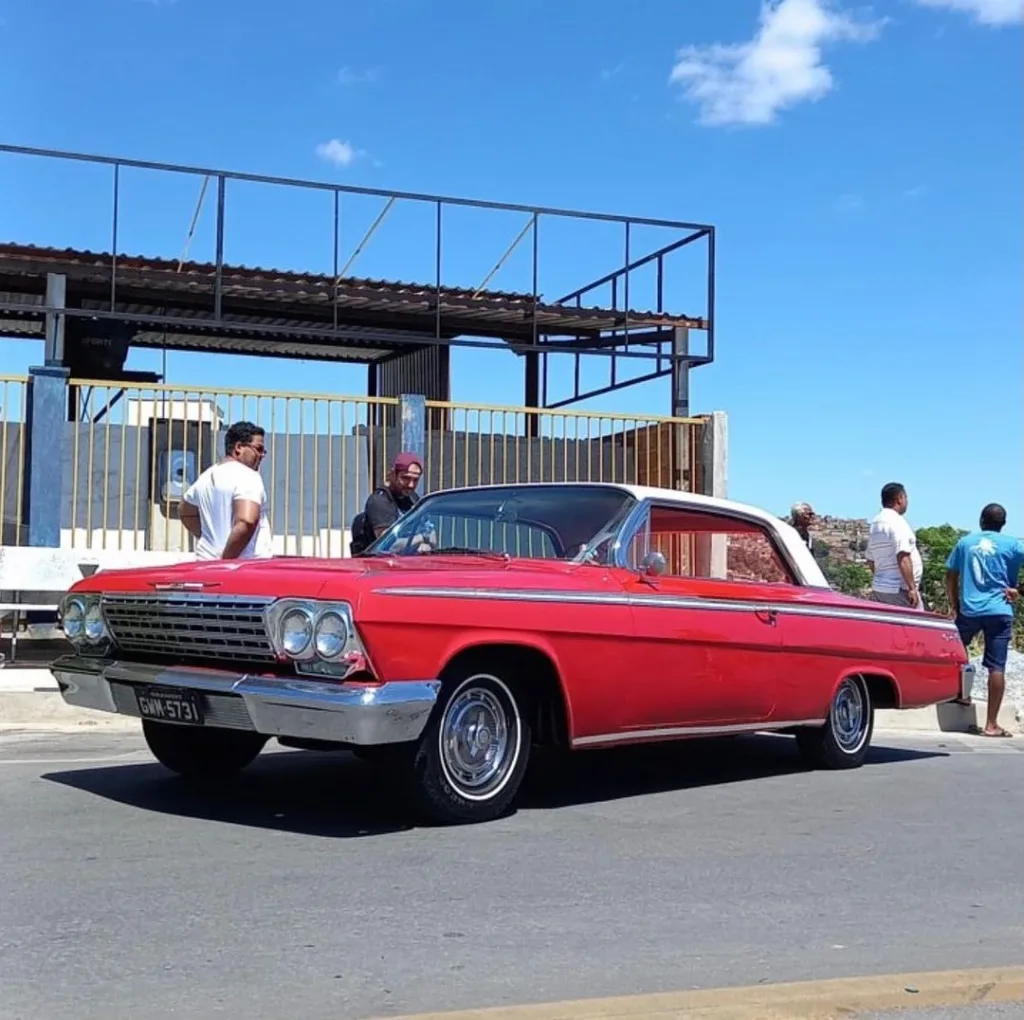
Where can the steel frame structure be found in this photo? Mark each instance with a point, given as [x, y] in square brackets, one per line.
[666, 346]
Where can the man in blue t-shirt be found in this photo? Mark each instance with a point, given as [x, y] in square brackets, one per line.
[983, 585]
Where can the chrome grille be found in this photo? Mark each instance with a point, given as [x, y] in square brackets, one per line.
[190, 627]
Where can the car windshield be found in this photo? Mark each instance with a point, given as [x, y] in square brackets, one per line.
[560, 522]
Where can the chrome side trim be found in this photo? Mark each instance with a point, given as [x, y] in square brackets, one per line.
[675, 602]
[667, 732]
[278, 706]
[183, 597]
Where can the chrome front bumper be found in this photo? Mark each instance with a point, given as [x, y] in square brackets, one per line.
[277, 706]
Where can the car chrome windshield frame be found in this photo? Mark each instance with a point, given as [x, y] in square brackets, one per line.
[373, 548]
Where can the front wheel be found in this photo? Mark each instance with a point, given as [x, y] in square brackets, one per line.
[844, 740]
[200, 752]
[472, 756]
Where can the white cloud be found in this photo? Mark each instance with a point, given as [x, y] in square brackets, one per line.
[350, 76]
[986, 12]
[750, 82]
[338, 152]
[851, 202]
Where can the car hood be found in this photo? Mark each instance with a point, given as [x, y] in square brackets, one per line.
[305, 577]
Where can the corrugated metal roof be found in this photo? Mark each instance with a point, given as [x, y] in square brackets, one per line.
[385, 303]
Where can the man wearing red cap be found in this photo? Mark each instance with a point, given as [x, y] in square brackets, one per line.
[388, 502]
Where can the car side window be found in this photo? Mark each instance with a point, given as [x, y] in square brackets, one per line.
[706, 544]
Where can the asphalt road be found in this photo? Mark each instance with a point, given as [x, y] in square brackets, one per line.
[301, 892]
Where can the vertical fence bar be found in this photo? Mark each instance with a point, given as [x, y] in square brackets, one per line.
[22, 467]
[5, 403]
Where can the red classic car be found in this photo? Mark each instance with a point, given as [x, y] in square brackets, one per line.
[491, 619]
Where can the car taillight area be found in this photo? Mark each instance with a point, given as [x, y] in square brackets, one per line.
[315, 638]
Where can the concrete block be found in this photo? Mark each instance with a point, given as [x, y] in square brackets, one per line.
[946, 718]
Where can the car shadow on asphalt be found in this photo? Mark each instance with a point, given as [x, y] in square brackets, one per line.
[335, 795]
[592, 777]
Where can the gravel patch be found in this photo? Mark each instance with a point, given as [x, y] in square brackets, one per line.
[1014, 680]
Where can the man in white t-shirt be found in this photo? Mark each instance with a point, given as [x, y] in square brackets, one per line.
[892, 553]
[225, 508]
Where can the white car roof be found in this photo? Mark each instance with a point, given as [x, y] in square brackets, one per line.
[806, 564]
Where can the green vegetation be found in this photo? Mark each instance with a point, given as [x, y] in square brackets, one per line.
[849, 577]
[935, 543]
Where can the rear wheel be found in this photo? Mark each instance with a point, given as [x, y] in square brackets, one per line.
[844, 740]
[201, 752]
[472, 756]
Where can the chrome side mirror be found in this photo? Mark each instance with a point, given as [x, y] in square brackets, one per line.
[653, 564]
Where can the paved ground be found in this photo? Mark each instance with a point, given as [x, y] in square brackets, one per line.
[301, 891]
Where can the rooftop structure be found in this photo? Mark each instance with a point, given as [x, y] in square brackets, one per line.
[92, 306]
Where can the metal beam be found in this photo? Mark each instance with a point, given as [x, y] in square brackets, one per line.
[144, 321]
[636, 264]
[56, 298]
[295, 182]
[508, 251]
[681, 374]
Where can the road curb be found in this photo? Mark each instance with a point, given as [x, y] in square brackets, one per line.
[798, 1000]
[946, 718]
[47, 710]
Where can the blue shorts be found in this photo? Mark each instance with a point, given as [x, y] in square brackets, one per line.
[997, 631]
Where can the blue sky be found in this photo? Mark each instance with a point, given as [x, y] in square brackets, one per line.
[862, 165]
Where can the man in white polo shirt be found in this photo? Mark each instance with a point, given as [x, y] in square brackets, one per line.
[892, 553]
[225, 508]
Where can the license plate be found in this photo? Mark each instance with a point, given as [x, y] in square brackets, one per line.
[169, 704]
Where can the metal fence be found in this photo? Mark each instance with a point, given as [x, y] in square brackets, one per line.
[13, 393]
[468, 444]
[131, 451]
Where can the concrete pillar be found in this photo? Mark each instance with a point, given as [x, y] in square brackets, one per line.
[44, 452]
[715, 456]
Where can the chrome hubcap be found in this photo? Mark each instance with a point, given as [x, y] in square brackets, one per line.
[849, 715]
[475, 740]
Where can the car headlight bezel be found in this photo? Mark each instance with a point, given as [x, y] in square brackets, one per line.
[88, 632]
[298, 622]
[318, 655]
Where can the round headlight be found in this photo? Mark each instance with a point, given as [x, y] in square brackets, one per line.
[296, 631]
[331, 635]
[95, 627]
[73, 620]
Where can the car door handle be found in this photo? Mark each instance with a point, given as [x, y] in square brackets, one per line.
[768, 616]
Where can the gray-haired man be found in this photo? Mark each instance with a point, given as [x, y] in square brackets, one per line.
[802, 516]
